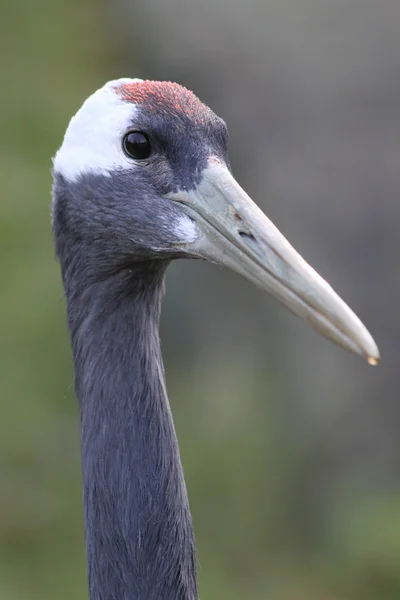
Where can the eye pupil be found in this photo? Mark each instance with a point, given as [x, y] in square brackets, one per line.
[136, 145]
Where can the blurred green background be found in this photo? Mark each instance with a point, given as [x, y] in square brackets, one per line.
[291, 447]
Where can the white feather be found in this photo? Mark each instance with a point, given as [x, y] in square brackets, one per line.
[92, 142]
[186, 229]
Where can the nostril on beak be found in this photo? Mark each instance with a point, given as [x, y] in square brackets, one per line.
[248, 237]
[243, 234]
[251, 242]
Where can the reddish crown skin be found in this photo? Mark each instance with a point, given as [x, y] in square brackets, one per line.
[165, 97]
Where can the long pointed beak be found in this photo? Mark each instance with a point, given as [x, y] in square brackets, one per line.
[235, 233]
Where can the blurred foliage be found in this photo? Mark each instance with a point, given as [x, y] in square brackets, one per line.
[244, 470]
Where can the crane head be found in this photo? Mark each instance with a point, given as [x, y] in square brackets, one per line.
[143, 174]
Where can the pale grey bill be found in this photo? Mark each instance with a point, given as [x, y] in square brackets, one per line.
[235, 233]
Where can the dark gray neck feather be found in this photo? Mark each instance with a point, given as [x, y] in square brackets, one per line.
[139, 534]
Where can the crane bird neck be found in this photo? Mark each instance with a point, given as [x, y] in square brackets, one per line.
[135, 498]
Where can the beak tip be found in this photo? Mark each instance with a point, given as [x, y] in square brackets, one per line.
[374, 360]
[371, 352]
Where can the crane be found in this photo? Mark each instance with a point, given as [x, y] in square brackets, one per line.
[143, 178]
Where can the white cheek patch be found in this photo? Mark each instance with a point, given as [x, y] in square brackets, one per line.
[93, 140]
[186, 229]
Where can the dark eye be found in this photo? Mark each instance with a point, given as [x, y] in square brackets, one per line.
[136, 145]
